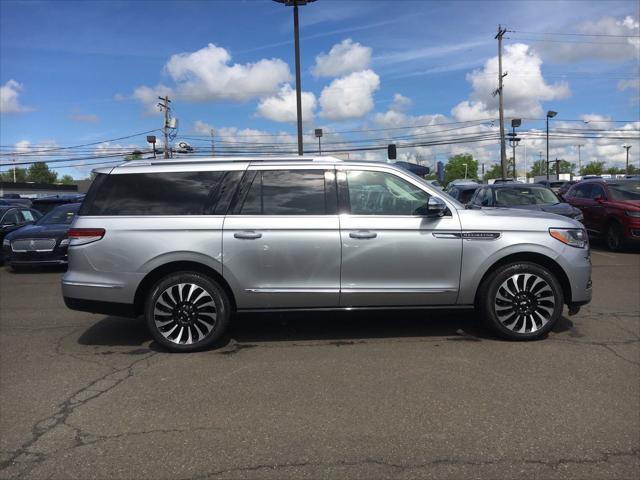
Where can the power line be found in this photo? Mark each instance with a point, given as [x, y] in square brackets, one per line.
[574, 34]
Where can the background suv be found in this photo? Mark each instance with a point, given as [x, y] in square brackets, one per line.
[186, 243]
[611, 210]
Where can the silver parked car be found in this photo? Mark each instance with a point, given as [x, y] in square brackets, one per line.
[189, 242]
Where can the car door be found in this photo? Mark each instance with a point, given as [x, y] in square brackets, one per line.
[281, 239]
[10, 221]
[579, 197]
[392, 255]
[597, 208]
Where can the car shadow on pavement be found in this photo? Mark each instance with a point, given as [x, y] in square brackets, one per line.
[331, 327]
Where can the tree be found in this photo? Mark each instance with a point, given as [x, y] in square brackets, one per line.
[593, 168]
[455, 168]
[539, 167]
[21, 175]
[39, 173]
[135, 155]
[494, 172]
[67, 180]
[615, 171]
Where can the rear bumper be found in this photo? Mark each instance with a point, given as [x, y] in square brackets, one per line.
[105, 308]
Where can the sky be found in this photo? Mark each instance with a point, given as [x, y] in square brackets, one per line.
[89, 73]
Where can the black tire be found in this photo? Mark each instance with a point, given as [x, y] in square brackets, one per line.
[198, 312]
[532, 304]
[613, 237]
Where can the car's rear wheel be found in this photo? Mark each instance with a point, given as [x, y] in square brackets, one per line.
[187, 311]
[614, 236]
[521, 301]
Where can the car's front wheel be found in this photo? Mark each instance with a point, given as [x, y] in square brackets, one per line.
[614, 236]
[521, 301]
[187, 311]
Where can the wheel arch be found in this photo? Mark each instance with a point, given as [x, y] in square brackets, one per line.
[161, 271]
[537, 258]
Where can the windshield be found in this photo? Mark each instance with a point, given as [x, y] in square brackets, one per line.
[629, 190]
[506, 197]
[62, 215]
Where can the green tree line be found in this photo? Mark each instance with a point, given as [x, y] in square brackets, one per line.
[38, 172]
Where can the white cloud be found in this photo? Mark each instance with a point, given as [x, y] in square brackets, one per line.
[9, 101]
[613, 49]
[350, 96]
[206, 75]
[400, 103]
[149, 97]
[282, 107]
[118, 97]
[84, 118]
[343, 58]
[524, 87]
[633, 84]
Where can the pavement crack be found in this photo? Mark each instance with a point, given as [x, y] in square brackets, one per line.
[28, 452]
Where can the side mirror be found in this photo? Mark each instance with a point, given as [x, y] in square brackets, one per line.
[433, 208]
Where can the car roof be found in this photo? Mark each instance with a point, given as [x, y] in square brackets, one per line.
[517, 185]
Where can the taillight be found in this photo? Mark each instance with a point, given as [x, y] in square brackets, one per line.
[82, 236]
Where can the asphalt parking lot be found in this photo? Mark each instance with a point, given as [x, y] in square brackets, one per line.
[358, 395]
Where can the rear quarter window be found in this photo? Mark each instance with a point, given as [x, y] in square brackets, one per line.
[159, 193]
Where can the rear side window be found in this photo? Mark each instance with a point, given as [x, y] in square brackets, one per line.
[160, 193]
[291, 192]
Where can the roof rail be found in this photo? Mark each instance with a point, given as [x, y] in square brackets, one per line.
[182, 160]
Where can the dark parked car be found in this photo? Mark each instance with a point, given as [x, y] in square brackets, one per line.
[556, 185]
[43, 243]
[522, 196]
[463, 192]
[419, 170]
[46, 204]
[13, 217]
[611, 210]
[15, 199]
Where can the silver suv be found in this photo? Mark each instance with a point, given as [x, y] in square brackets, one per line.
[189, 242]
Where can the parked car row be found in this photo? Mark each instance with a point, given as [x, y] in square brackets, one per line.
[30, 238]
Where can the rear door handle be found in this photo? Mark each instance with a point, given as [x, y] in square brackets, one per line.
[247, 235]
[363, 234]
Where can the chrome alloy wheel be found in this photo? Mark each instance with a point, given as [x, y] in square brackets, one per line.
[185, 313]
[524, 303]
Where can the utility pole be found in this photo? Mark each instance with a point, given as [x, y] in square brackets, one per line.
[213, 149]
[626, 147]
[13, 160]
[579, 161]
[165, 106]
[503, 153]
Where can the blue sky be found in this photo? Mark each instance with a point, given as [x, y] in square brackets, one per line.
[71, 71]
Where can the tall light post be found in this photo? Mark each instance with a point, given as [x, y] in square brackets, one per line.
[318, 133]
[513, 140]
[465, 170]
[550, 114]
[627, 147]
[296, 34]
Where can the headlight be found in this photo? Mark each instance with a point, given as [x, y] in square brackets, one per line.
[64, 242]
[633, 213]
[6, 242]
[575, 237]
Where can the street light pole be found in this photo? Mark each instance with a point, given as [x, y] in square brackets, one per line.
[627, 147]
[296, 34]
[550, 114]
[465, 170]
[318, 133]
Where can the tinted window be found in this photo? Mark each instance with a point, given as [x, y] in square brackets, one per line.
[465, 195]
[162, 193]
[12, 217]
[290, 192]
[62, 215]
[380, 193]
[629, 190]
[581, 191]
[597, 191]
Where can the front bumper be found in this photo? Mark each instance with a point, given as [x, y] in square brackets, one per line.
[576, 263]
[58, 256]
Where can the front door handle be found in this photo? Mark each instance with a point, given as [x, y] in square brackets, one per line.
[247, 235]
[363, 234]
